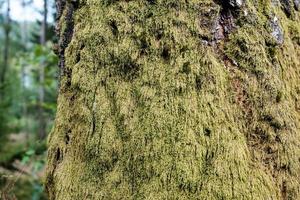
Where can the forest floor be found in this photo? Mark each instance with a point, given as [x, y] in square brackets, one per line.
[22, 169]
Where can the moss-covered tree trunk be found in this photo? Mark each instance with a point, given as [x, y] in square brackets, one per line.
[176, 99]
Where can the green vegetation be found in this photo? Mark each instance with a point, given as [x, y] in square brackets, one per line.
[153, 105]
[22, 152]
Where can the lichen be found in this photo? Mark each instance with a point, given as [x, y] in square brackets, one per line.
[150, 111]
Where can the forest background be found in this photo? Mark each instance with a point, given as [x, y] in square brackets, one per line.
[28, 91]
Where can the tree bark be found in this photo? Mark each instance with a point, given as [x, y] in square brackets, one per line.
[176, 100]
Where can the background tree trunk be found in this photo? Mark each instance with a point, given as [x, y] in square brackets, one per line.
[7, 28]
[175, 99]
[44, 23]
[24, 36]
[41, 114]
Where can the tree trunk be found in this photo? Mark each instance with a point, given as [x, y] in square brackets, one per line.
[44, 23]
[6, 44]
[174, 99]
[24, 36]
[24, 26]
[41, 114]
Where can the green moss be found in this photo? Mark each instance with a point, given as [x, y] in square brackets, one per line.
[153, 113]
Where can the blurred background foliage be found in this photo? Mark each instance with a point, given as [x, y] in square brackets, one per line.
[28, 92]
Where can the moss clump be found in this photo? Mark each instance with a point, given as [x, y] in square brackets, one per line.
[150, 111]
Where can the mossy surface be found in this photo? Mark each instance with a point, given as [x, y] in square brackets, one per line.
[151, 107]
